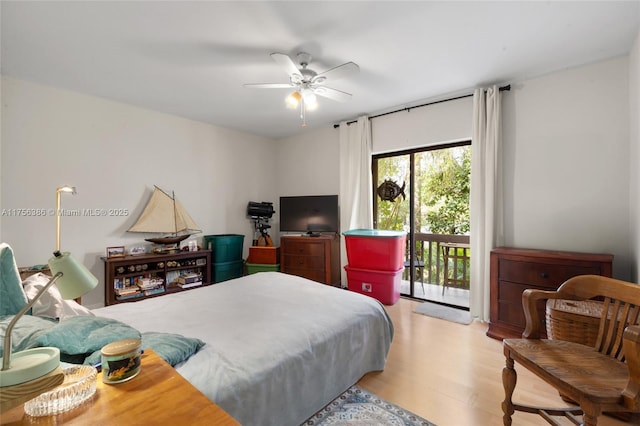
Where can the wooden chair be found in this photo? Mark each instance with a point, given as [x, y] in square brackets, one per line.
[604, 378]
[418, 263]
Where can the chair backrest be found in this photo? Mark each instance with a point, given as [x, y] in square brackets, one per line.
[616, 316]
[621, 307]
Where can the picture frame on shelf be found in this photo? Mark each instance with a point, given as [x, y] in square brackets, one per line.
[137, 250]
[116, 251]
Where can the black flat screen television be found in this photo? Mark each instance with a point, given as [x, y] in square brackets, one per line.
[311, 214]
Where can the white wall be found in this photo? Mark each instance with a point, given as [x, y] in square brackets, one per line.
[566, 162]
[307, 164]
[634, 157]
[424, 126]
[114, 154]
[1, 138]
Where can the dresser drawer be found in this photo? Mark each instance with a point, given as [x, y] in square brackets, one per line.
[304, 262]
[303, 248]
[513, 291]
[541, 274]
[512, 314]
[510, 303]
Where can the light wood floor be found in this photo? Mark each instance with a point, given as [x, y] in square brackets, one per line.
[451, 374]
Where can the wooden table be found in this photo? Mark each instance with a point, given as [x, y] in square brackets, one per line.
[157, 395]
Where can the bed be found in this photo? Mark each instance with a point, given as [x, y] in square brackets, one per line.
[277, 347]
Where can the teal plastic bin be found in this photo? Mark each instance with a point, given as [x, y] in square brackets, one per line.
[224, 247]
[227, 270]
[376, 249]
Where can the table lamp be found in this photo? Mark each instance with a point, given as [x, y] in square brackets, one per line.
[37, 370]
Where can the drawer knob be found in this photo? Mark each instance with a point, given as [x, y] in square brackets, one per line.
[544, 275]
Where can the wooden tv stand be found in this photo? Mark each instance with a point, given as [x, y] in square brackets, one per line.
[315, 258]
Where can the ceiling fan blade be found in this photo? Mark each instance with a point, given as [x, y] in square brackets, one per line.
[338, 72]
[269, 86]
[334, 94]
[286, 62]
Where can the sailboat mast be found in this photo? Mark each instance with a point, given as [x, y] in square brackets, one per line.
[175, 214]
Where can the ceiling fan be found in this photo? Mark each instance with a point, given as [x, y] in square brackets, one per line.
[307, 83]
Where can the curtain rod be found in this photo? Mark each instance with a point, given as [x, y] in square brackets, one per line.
[501, 89]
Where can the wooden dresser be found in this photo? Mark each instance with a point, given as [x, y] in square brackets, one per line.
[316, 258]
[513, 270]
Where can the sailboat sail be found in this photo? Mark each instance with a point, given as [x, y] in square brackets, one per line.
[164, 214]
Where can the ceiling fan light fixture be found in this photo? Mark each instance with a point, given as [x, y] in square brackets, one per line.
[307, 83]
[309, 96]
[310, 100]
[293, 100]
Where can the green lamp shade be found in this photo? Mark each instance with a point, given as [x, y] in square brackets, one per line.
[76, 280]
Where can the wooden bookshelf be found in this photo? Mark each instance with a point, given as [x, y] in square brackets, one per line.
[123, 275]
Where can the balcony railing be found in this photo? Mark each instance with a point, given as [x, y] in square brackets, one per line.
[443, 260]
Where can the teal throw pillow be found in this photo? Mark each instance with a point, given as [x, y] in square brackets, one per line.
[12, 297]
[86, 334]
[25, 332]
[173, 348]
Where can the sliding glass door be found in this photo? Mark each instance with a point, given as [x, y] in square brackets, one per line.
[425, 192]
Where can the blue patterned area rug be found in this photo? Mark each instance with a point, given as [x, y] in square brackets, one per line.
[357, 407]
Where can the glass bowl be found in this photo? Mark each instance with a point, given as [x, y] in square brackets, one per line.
[79, 385]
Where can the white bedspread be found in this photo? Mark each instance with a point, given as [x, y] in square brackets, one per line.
[279, 347]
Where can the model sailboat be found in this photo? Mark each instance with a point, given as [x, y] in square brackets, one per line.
[163, 214]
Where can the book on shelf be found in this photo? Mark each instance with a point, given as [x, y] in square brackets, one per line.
[127, 290]
[189, 285]
[189, 278]
[150, 283]
[153, 291]
[129, 295]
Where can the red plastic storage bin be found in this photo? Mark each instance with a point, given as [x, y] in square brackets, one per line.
[381, 285]
[376, 249]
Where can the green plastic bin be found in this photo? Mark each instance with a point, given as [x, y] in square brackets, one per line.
[224, 247]
[253, 268]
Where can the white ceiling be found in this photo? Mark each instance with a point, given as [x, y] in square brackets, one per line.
[191, 59]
